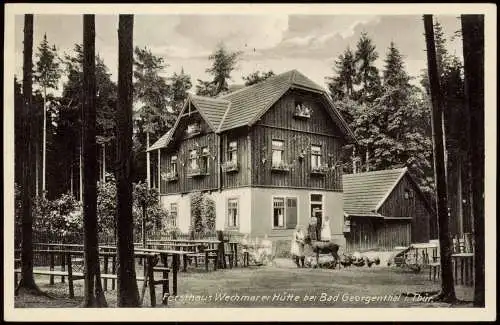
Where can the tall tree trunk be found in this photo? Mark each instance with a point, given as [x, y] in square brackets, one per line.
[71, 179]
[80, 174]
[94, 295]
[27, 281]
[37, 167]
[103, 162]
[473, 47]
[44, 148]
[148, 162]
[447, 286]
[128, 294]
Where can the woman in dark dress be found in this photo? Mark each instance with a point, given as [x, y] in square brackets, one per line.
[312, 228]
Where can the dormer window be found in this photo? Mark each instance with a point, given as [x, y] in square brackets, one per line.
[193, 129]
[302, 110]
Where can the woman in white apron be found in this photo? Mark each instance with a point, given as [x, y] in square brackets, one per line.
[297, 247]
[326, 233]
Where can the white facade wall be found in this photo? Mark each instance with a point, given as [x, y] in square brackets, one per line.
[184, 208]
[256, 208]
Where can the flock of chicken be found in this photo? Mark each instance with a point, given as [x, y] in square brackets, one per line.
[357, 259]
[345, 260]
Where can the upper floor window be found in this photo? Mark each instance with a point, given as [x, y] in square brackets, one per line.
[232, 152]
[205, 161]
[173, 165]
[278, 147]
[193, 159]
[315, 156]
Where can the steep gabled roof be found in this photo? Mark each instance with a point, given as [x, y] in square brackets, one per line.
[245, 106]
[162, 141]
[364, 193]
[212, 109]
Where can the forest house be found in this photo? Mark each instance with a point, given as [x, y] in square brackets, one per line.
[268, 154]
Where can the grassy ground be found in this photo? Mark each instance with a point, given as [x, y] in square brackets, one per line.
[280, 285]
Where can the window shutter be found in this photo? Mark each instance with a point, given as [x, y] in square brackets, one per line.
[291, 213]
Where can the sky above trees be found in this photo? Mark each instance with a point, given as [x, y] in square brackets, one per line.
[309, 43]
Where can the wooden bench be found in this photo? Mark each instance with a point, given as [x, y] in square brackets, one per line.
[207, 254]
[70, 256]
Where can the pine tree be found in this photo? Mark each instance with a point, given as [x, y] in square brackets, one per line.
[47, 75]
[367, 74]
[94, 294]
[402, 118]
[128, 293]
[223, 63]
[68, 125]
[342, 85]
[152, 92]
[179, 86]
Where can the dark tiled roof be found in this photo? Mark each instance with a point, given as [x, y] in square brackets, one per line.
[246, 105]
[249, 103]
[212, 109]
[365, 192]
[162, 141]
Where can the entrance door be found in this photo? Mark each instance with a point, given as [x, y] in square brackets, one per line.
[317, 207]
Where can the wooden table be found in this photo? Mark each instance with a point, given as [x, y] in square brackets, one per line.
[463, 265]
[175, 262]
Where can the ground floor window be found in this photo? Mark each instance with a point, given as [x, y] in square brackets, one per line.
[232, 213]
[284, 212]
[172, 222]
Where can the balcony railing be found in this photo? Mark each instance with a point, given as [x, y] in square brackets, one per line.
[280, 167]
[230, 167]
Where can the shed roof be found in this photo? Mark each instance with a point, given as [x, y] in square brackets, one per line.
[364, 193]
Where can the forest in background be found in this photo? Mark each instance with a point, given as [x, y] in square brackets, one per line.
[388, 113]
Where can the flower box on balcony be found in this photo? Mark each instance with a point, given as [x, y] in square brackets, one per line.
[280, 167]
[320, 170]
[170, 176]
[230, 167]
[195, 172]
[302, 112]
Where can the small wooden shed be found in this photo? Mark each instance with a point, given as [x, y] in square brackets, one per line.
[384, 209]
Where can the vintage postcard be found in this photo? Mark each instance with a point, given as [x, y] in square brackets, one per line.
[249, 162]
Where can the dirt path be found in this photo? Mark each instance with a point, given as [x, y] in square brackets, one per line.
[282, 285]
